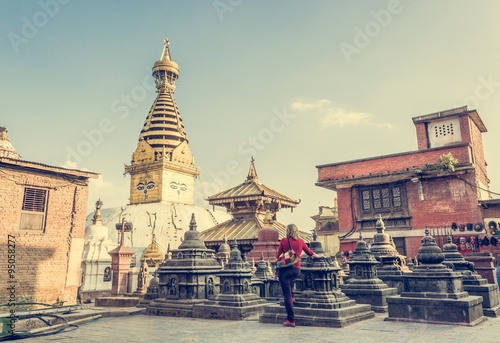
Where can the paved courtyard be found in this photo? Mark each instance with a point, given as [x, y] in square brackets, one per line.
[142, 328]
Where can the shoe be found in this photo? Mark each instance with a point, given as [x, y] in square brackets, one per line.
[288, 323]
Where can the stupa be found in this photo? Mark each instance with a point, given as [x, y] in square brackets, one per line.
[264, 282]
[236, 300]
[363, 284]
[392, 266]
[473, 283]
[162, 175]
[96, 261]
[190, 277]
[433, 293]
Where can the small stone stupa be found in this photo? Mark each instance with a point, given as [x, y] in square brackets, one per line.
[473, 283]
[222, 255]
[392, 265]
[235, 300]
[264, 283]
[318, 299]
[363, 284]
[190, 277]
[433, 293]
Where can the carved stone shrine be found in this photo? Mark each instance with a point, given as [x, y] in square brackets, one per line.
[235, 300]
[264, 284]
[392, 265]
[473, 283]
[433, 293]
[190, 277]
[363, 284]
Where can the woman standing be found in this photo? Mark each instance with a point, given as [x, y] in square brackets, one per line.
[287, 275]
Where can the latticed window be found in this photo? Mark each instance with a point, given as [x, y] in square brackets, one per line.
[381, 198]
[34, 209]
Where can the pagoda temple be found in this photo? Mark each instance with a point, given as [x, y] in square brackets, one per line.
[247, 203]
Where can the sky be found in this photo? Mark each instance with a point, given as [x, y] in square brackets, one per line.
[295, 84]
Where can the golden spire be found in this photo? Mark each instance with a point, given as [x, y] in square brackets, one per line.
[163, 129]
[165, 71]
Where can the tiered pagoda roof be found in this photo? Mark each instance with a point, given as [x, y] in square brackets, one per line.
[247, 203]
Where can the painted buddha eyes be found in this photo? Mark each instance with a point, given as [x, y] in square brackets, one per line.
[141, 186]
[175, 185]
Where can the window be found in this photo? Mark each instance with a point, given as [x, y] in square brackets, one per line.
[34, 209]
[388, 200]
[381, 199]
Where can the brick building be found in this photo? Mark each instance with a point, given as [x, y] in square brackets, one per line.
[438, 185]
[42, 231]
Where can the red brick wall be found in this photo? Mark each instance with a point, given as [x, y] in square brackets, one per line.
[476, 138]
[422, 138]
[344, 210]
[41, 258]
[447, 200]
[390, 163]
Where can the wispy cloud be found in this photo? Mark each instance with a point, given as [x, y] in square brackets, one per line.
[331, 116]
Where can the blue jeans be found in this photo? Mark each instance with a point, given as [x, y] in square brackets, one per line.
[287, 276]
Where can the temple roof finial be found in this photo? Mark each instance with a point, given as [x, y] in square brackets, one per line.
[165, 54]
[252, 173]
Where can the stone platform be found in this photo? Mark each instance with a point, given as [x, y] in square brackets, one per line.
[466, 311]
[332, 311]
[231, 307]
[173, 308]
[117, 301]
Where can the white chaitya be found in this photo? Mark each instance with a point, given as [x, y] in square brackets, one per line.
[96, 262]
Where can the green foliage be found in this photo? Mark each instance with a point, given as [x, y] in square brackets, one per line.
[444, 162]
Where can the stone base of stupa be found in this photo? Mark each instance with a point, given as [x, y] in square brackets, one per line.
[329, 309]
[393, 279]
[489, 292]
[231, 307]
[434, 294]
[466, 310]
[173, 308]
[372, 292]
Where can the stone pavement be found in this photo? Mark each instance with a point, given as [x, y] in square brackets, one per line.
[143, 328]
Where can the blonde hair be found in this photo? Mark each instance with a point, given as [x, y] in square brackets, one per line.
[292, 231]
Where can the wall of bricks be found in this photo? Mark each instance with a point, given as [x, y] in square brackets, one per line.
[422, 139]
[391, 163]
[41, 258]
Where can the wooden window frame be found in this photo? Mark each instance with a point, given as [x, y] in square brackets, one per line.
[34, 209]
